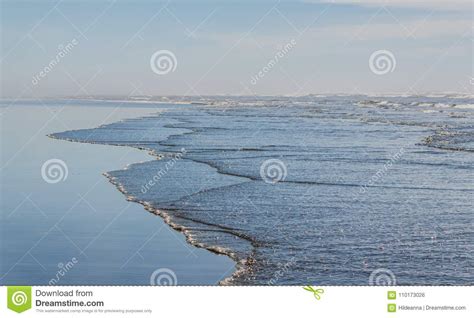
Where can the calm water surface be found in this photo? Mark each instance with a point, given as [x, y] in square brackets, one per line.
[44, 226]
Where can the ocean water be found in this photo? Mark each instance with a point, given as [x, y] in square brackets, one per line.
[322, 190]
[45, 226]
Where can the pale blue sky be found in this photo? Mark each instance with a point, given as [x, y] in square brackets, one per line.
[221, 45]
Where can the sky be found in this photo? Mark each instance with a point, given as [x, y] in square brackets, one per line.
[90, 48]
